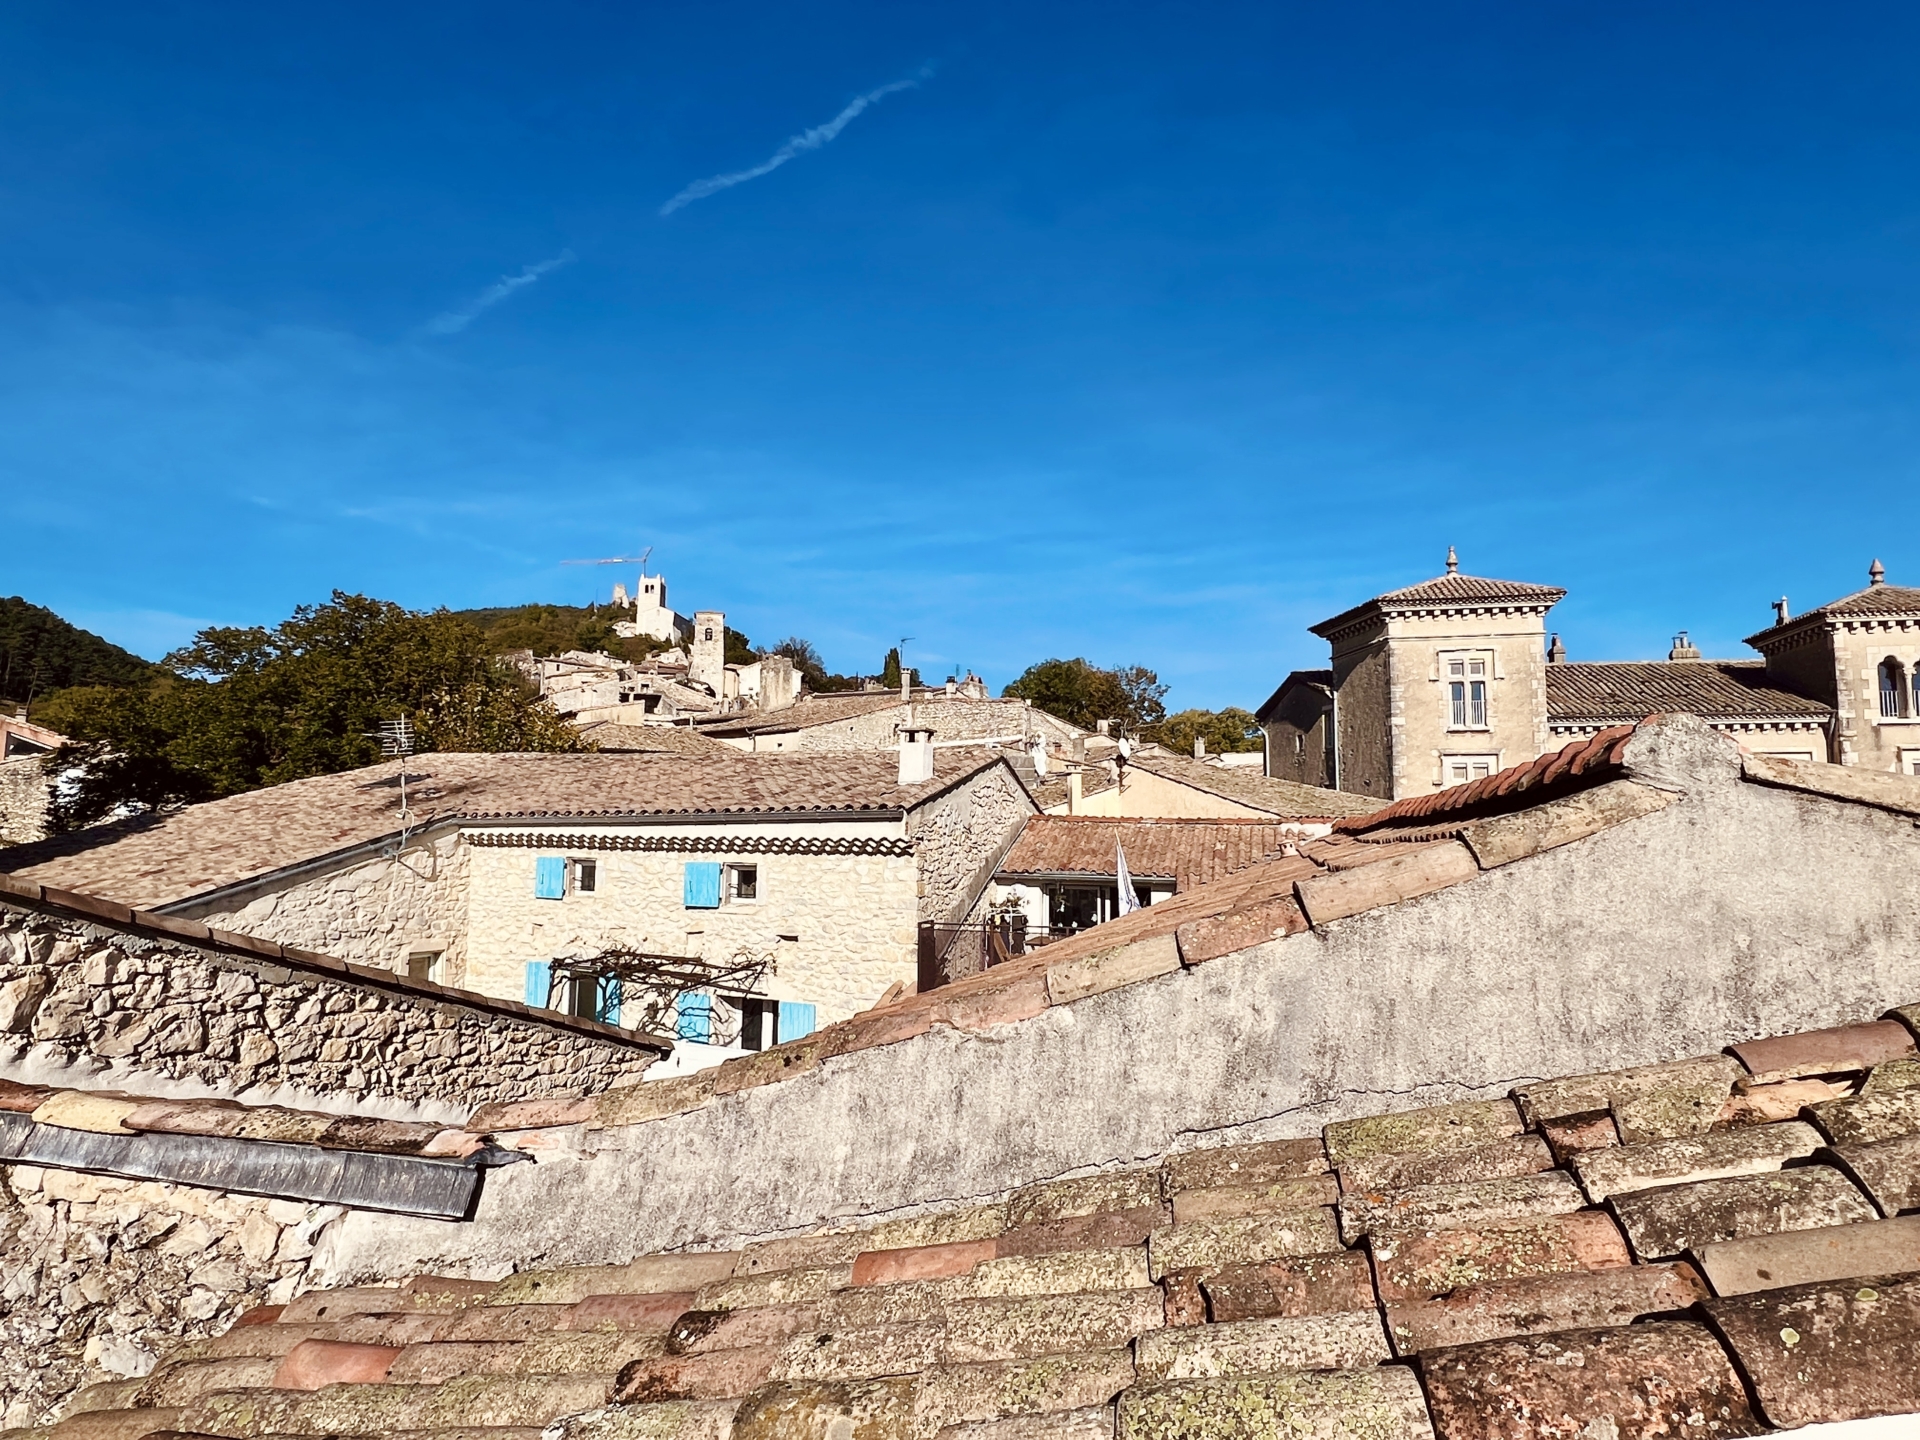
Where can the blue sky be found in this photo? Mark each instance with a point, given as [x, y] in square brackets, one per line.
[1148, 333]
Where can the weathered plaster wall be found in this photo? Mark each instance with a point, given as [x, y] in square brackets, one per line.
[77, 998]
[23, 800]
[374, 913]
[960, 837]
[99, 1277]
[840, 928]
[1738, 911]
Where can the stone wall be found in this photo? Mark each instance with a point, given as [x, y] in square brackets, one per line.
[839, 928]
[99, 1276]
[79, 997]
[23, 800]
[951, 720]
[960, 837]
[375, 913]
[1738, 911]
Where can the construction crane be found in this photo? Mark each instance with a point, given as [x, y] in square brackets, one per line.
[640, 560]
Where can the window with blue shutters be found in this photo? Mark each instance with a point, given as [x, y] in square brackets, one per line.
[550, 877]
[796, 1019]
[702, 885]
[539, 981]
[695, 1019]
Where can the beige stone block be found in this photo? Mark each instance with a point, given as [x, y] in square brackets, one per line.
[78, 1110]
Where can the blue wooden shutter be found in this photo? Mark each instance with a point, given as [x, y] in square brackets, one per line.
[702, 886]
[607, 1007]
[539, 979]
[550, 877]
[796, 1019]
[696, 1018]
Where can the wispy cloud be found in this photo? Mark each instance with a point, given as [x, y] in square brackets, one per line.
[799, 145]
[454, 321]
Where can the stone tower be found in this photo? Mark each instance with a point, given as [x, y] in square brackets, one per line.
[708, 653]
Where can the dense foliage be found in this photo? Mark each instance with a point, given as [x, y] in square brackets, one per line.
[1225, 731]
[1081, 693]
[40, 653]
[556, 629]
[245, 707]
[806, 659]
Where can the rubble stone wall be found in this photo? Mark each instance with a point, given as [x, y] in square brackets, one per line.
[100, 1276]
[960, 838]
[77, 995]
[23, 800]
[376, 913]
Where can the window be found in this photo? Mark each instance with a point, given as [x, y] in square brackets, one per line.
[759, 1021]
[550, 877]
[1893, 689]
[701, 886]
[693, 1019]
[1463, 769]
[743, 882]
[420, 964]
[586, 874]
[1467, 692]
[594, 997]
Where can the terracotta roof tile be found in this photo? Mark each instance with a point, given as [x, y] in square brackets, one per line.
[1592, 761]
[1189, 852]
[1713, 689]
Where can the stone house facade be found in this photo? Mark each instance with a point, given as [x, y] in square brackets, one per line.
[1453, 679]
[511, 871]
[1861, 656]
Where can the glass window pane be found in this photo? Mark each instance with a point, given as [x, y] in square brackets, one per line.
[1459, 699]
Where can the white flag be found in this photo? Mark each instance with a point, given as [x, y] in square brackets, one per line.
[1129, 902]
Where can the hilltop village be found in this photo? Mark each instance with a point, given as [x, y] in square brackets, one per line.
[1502, 1034]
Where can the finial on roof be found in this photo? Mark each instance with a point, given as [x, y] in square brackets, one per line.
[1876, 573]
[1683, 648]
[1453, 562]
[1780, 612]
[1556, 652]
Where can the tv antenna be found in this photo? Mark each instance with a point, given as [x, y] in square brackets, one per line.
[396, 743]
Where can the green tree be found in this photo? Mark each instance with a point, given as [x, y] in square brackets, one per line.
[1225, 731]
[1082, 693]
[241, 708]
[890, 669]
[41, 653]
[740, 650]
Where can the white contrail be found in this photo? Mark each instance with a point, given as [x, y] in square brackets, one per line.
[806, 140]
[454, 321]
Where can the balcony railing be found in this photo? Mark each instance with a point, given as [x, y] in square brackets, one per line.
[949, 952]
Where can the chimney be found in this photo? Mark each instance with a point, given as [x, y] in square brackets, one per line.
[1073, 792]
[1079, 751]
[952, 686]
[916, 754]
[1876, 573]
[1780, 612]
[1102, 726]
[1556, 652]
[1199, 747]
[1683, 648]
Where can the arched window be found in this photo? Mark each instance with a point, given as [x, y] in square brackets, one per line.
[1893, 689]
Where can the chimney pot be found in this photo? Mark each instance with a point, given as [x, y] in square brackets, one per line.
[1199, 747]
[916, 754]
[1876, 573]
